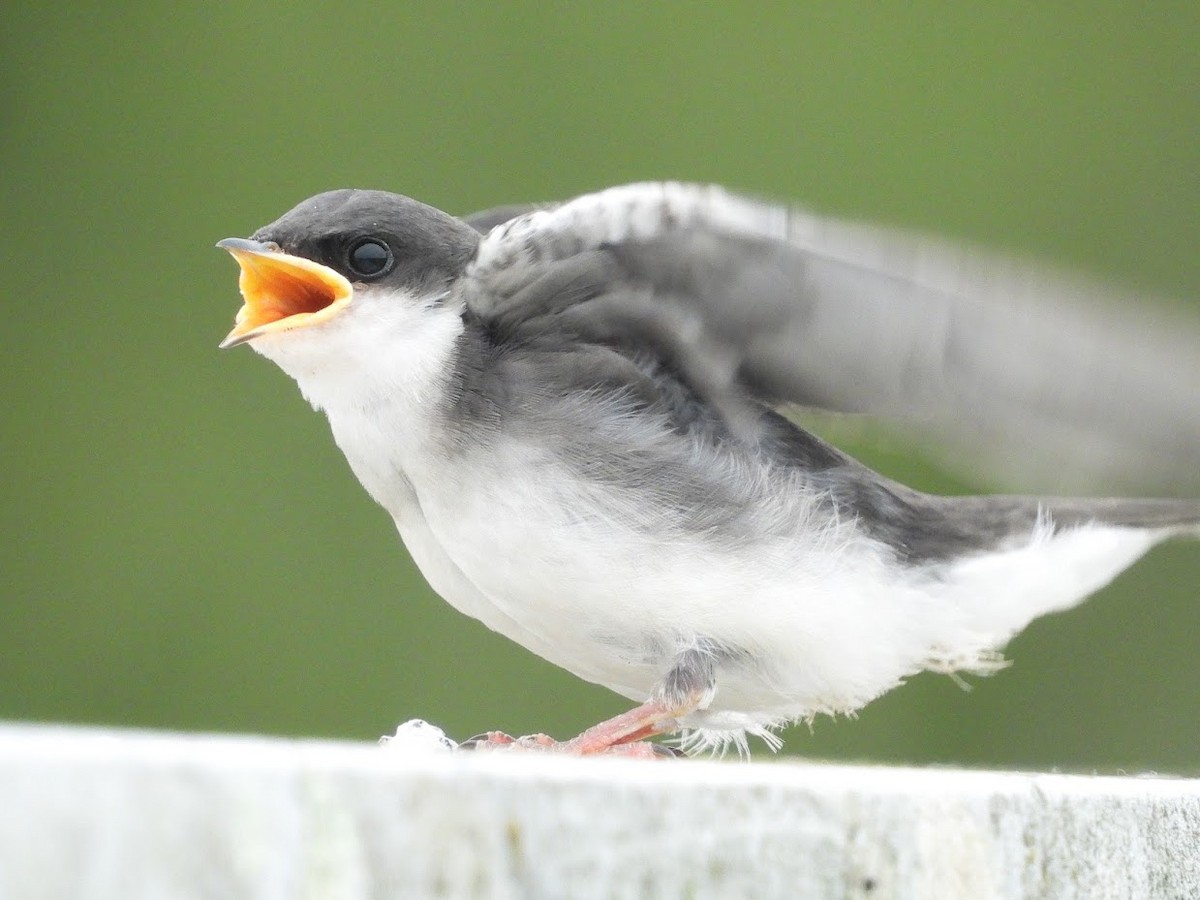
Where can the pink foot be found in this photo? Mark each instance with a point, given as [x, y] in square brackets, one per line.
[621, 735]
[498, 740]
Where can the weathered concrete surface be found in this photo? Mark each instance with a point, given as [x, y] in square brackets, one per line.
[109, 814]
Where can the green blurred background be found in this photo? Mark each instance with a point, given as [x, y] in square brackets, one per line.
[183, 545]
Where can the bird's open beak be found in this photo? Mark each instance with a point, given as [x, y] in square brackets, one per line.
[281, 292]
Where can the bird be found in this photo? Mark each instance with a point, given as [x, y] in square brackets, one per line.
[585, 419]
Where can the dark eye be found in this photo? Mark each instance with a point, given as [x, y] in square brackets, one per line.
[369, 258]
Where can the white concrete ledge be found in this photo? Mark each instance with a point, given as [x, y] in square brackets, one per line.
[110, 814]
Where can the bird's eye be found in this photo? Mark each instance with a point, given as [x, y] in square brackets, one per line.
[369, 258]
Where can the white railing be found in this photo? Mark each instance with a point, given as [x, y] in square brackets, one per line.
[113, 814]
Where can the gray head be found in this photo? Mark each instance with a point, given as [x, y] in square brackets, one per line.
[349, 283]
[375, 237]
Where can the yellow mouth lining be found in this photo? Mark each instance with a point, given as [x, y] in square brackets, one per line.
[282, 292]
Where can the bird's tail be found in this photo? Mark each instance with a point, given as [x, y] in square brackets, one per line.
[1168, 516]
[999, 520]
[1057, 553]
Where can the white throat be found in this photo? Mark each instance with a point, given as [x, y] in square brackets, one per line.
[384, 345]
[379, 371]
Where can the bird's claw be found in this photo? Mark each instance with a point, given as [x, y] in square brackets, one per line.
[498, 740]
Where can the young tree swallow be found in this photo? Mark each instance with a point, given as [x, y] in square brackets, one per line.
[573, 414]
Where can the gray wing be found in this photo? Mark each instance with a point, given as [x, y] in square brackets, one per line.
[1029, 373]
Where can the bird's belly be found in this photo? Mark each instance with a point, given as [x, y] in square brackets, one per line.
[804, 610]
[800, 621]
[556, 601]
[467, 596]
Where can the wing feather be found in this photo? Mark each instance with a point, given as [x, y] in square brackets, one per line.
[1010, 363]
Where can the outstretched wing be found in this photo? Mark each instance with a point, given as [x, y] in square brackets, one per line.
[750, 302]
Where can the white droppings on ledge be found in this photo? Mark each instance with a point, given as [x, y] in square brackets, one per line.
[133, 815]
[417, 736]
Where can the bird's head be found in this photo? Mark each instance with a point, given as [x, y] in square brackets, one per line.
[350, 286]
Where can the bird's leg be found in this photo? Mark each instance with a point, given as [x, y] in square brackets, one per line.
[626, 733]
[688, 686]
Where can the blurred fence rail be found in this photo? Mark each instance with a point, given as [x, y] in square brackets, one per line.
[89, 813]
